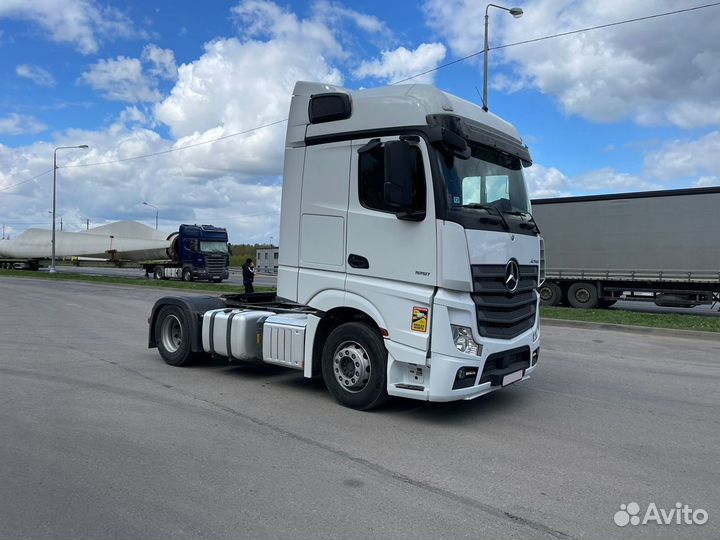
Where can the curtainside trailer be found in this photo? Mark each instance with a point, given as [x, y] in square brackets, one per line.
[657, 246]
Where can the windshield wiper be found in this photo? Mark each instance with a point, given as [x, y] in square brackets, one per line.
[487, 208]
[528, 215]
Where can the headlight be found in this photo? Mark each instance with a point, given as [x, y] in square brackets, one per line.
[536, 335]
[463, 339]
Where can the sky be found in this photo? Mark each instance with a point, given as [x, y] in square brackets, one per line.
[629, 107]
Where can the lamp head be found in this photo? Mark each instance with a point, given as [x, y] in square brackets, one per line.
[516, 12]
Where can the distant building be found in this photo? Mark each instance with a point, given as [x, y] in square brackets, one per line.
[266, 260]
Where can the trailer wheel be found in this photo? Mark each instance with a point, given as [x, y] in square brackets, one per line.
[172, 334]
[582, 295]
[354, 366]
[187, 275]
[550, 294]
[158, 272]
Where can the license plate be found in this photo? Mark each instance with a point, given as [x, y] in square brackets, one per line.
[513, 377]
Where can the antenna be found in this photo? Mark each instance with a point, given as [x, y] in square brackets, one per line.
[481, 98]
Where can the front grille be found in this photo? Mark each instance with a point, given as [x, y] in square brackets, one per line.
[216, 266]
[501, 314]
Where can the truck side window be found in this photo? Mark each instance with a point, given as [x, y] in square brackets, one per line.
[371, 180]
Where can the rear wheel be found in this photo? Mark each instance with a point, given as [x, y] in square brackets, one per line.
[582, 295]
[550, 294]
[172, 335]
[354, 364]
[158, 273]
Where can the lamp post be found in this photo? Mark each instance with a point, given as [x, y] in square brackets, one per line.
[55, 167]
[156, 213]
[515, 12]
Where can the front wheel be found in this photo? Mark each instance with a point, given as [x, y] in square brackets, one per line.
[172, 335]
[187, 275]
[354, 366]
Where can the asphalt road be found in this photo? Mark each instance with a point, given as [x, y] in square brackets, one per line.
[101, 439]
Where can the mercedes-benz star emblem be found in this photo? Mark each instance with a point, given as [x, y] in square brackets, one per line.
[512, 275]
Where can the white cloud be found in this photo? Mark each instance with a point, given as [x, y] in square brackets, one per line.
[686, 158]
[654, 72]
[335, 11]
[162, 61]
[236, 84]
[402, 63]
[20, 124]
[215, 96]
[121, 79]
[82, 23]
[546, 182]
[708, 181]
[36, 74]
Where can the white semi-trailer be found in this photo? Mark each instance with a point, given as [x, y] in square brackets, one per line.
[409, 261]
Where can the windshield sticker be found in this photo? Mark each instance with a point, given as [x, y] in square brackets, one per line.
[419, 319]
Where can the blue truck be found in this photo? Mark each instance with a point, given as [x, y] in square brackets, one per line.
[195, 252]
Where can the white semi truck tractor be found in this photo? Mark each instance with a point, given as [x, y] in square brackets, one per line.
[409, 259]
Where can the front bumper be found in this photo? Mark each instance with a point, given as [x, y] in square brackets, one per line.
[436, 380]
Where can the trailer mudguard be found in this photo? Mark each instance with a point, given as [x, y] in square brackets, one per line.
[195, 307]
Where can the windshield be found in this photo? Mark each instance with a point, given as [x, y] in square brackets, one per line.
[487, 177]
[213, 247]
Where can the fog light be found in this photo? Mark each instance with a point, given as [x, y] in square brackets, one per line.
[464, 342]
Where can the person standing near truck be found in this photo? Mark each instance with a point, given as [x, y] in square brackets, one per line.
[248, 271]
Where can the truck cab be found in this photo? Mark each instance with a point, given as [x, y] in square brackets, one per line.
[203, 250]
[408, 207]
[409, 260]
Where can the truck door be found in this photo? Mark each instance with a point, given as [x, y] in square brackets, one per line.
[391, 262]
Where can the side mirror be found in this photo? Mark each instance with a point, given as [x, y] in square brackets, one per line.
[398, 189]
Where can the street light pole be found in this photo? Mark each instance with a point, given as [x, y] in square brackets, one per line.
[515, 12]
[55, 167]
[156, 213]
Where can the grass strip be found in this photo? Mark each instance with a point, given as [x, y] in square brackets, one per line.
[674, 321]
[614, 316]
[138, 282]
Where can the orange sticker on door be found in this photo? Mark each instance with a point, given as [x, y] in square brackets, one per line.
[419, 319]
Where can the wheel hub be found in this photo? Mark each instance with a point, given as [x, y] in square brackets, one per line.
[351, 366]
[171, 333]
[583, 295]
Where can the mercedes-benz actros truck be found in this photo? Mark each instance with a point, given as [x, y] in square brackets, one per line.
[409, 260]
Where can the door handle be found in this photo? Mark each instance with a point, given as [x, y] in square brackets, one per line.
[358, 261]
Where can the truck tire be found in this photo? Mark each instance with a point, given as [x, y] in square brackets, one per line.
[354, 366]
[187, 275]
[550, 294]
[582, 295]
[172, 335]
[158, 272]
